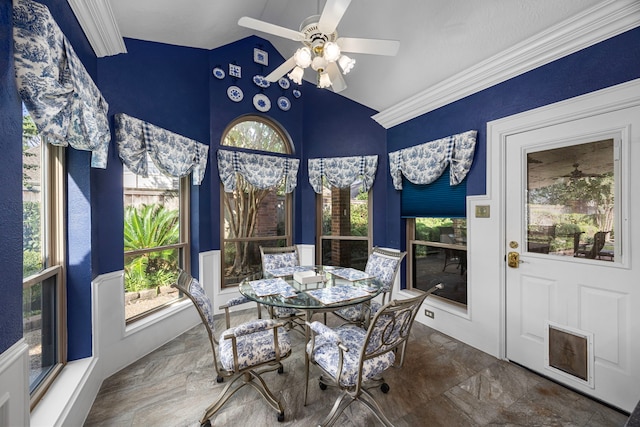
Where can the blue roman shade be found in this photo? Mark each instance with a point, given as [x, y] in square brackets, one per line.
[432, 176]
[437, 200]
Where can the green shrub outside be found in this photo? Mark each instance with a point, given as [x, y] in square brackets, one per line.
[147, 227]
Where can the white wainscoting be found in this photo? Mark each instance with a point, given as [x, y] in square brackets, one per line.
[14, 385]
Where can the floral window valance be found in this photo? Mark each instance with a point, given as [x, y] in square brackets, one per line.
[173, 154]
[342, 172]
[259, 170]
[63, 101]
[424, 163]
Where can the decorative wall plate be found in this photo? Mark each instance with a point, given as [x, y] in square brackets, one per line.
[235, 93]
[260, 81]
[296, 93]
[261, 102]
[218, 73]
[283, 103]
[284, 83]
[235, 70]
[260, 56]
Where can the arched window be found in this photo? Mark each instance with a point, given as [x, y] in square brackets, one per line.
[253, 217]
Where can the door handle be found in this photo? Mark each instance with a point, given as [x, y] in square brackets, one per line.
[513, 259]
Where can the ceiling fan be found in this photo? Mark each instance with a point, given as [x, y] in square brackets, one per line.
[322, 49]
[577, 173]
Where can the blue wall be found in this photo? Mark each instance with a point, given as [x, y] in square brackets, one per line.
[10, 189]
[611, 62]
[335, 126]
[164, 85]
[224, 110]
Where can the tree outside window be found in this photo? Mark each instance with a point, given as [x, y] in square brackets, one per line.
[253, 217]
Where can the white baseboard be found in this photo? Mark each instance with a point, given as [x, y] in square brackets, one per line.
[14, 385]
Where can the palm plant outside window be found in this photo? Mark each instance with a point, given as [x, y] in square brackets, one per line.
[156, 241]
[253, 217]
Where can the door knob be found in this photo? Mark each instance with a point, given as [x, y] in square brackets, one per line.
[513, 259]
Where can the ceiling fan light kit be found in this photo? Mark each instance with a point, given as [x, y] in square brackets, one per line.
[323, 51]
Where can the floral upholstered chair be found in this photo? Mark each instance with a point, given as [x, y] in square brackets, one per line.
[278, 258]
[353, 359]
[384, 265]
[243, 352]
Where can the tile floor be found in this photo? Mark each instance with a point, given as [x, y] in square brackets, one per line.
[442, 383]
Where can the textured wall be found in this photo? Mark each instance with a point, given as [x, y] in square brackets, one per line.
[10, 189]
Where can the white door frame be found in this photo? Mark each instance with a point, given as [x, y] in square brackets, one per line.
[614, 98]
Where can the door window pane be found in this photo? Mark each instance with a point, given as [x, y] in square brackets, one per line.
[571, 201]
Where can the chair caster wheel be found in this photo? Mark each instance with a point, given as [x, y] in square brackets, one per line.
[281, 417]
[322, 385]
[219, 379]
[384, 388]
[206, 424]
[281, 369]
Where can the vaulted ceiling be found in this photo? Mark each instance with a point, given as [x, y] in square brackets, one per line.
[442, 42]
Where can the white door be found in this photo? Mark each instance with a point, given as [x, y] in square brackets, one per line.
[573, 296]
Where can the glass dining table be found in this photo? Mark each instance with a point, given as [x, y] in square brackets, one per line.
[312, 290]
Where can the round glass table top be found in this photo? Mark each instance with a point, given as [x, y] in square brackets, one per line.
[312, 287]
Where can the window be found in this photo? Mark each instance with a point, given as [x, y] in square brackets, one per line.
[344, 229]
[156, 239]
[438, 254]
[253, 217]
[44, 318]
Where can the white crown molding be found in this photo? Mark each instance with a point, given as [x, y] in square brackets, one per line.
[99, 25]
[601, 22]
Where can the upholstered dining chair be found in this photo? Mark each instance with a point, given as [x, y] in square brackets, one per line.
[274, 258]
[384, 265]
[241, 353]
[353, 359]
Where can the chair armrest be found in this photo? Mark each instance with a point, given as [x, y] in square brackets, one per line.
[253, 327]
[235, 301]
[327, 333]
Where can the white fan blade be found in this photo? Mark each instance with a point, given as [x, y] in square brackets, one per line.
[332, 14]
[266, 27]
[337, 81]
[370, 46]
[286, 66]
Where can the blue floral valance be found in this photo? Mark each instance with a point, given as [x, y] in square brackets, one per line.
[259, 170]
[173, 154]
[342, 172]
[424, 163]
[63, 101]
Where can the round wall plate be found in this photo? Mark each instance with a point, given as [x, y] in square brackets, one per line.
[283, 103]
[235, 93]
[284, 83]
[218, 73]
[261, 102]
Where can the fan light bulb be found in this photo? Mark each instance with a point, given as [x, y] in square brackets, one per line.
[296, 75]
[319, 63]
[303, 57]
[346, 63]
[331, 51]
[324, 81]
